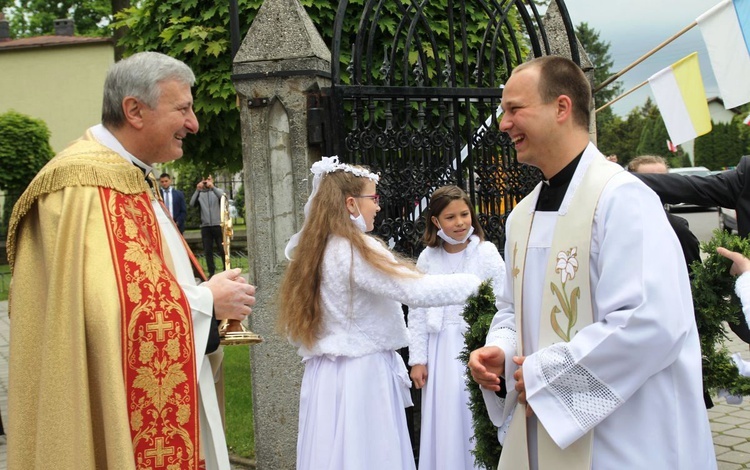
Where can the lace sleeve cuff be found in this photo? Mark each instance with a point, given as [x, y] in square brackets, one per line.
[566, 393]
[503, 337]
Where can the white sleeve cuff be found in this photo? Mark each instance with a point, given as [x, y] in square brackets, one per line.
[200, 299]
[742, 288]
[568, 398]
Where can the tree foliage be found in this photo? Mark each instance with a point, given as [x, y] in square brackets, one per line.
[654, 137]
[744, 112]
[24, 150]
[35, 17]
[91, 17]
[197, 32]
[598, 52]
[620, 136]
[642, 132]
[720, 148]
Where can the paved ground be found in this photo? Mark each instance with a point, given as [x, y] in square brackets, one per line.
[4, 339]
[730, 423]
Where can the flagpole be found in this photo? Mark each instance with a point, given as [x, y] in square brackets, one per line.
[644, 57]
[622, 96]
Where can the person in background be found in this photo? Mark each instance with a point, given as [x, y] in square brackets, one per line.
[688, 241]
[455, 243]
[595, 331]
[112, 341]
[730, 189]
[208, 198]
[174, 200]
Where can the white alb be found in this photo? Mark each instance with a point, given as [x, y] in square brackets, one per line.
[634, 375]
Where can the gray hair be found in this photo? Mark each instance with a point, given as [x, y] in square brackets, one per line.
[139, 76]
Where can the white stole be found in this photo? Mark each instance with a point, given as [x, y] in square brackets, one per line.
[567, 301]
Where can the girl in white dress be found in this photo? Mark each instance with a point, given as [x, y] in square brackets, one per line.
[340, 304]
[454, 244]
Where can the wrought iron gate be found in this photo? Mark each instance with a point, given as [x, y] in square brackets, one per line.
[418, 99]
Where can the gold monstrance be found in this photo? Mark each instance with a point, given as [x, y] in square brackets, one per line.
[232, 332]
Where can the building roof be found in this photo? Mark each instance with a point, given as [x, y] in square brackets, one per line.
[51, 41]
[716, 99]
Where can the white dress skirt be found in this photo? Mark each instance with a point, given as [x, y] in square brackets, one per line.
[447, 430]
[352, 413]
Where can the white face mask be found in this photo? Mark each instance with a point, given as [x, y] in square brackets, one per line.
[453, 241]
[359, 221]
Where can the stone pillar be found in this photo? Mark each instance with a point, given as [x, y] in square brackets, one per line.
[282, 59]
[559, 45]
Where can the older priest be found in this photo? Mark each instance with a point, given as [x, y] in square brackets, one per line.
[110, 334]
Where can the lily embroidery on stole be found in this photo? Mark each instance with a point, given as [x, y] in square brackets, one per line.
[567, 265]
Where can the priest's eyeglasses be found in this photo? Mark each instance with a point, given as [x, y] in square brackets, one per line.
[375, 197]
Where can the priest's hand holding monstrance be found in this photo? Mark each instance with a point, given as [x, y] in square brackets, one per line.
[232, 332]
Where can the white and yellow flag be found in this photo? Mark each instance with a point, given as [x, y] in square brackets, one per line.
[679, 93]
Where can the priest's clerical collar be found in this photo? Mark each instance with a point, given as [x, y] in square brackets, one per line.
[106, 138]
[553, 190]
[564, 176]
[146, 169]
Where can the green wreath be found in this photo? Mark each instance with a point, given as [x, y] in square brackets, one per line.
[478, 313]
[715, 303]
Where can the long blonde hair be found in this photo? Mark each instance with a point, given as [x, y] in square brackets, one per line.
[301, 313]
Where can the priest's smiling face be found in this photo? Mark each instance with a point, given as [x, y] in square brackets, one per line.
[527, 119]
[166, 125]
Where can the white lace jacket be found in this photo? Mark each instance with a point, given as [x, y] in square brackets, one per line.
[362, 306]
[482, 259]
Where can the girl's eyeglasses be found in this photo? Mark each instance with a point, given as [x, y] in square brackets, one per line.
[374, 197]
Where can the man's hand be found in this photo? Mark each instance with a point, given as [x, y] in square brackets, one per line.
[233, 296]
[740, 264]
[419, 375]
[520, 385]
[487, 366]
[200, 185]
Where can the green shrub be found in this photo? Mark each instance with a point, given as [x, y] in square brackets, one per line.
[24, 150]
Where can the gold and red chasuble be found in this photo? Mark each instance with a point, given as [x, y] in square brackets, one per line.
[158, 355]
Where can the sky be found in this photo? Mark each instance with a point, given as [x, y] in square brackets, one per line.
[634, 27]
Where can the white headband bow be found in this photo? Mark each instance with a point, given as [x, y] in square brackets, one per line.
[319, 169]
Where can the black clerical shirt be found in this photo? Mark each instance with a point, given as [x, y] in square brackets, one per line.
[553, 190]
